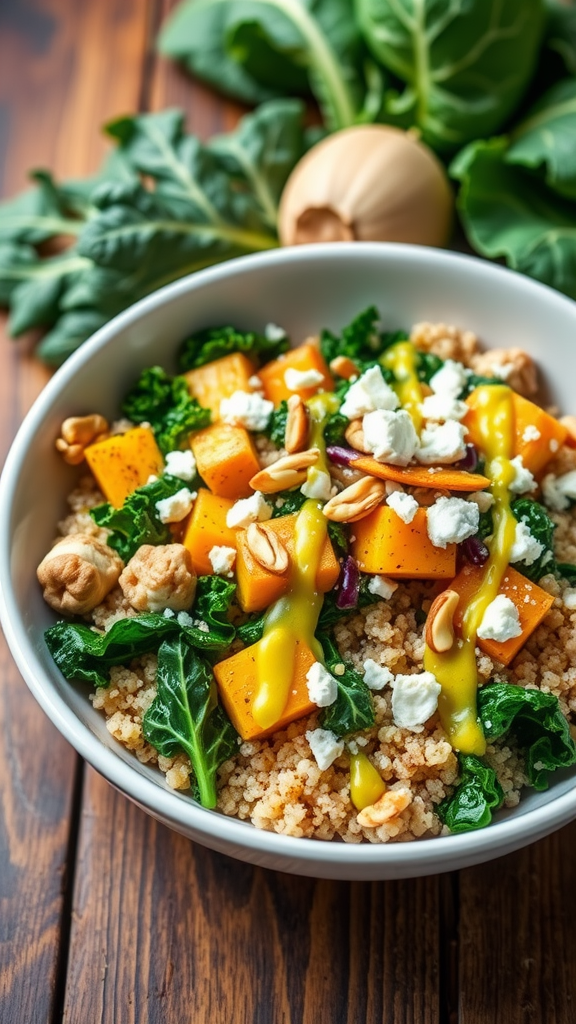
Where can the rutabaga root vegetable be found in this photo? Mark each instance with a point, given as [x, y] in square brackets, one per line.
[367, 183]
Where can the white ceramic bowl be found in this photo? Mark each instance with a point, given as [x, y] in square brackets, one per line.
[302, 289]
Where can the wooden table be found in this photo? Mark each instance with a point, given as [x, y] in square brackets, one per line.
[106, 916]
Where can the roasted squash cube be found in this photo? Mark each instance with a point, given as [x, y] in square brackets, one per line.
[226, 459]
[123, 462]
[535, 452]
[257, 587]
[206, 528]
[219, 379]
[305, 357]
[237, 679]
[532, 602]
[385, 544]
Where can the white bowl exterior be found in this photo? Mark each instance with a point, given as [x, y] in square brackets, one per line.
[302, 289]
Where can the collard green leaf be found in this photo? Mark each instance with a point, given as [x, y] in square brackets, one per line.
[476, 796]
[465, 64]
[546, 138]
[536, 518]
[252, 49]
[165, 403]
[137, 522]
[353, 708]
[216, 342]
[535, 720]
[509, 211]
[185, 715]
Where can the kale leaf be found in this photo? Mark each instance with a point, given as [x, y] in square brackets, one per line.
[166, 404]
[427, 364]
[276, 429]
[353, 708]
[335, 428]
[361, 340]
[536, 518]
[537, 723]
[475, 797]
[214, 597]
[137, 522]
[216, 342]
[185, 716]
[250, 632]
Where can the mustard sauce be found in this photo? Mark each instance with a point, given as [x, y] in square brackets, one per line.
[401, 359]
[319, 408]
[366, 785]
[456, 670]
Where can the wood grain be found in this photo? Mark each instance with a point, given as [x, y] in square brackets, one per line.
[64, 68]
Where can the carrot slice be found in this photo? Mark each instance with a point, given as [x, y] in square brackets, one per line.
[422, 476]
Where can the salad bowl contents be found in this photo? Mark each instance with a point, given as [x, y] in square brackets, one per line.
[323, 587]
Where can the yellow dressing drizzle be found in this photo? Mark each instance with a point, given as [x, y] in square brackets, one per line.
[456, 670]
[366, 785]
[401, 359]
[319, 408]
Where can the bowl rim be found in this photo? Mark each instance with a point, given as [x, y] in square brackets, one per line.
[154, 796]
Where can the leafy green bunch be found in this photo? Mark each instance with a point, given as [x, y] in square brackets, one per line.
[74, 255]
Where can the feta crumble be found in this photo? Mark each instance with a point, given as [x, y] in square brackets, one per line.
[321, 684]
[531, 433]
[222, 559]
[443, 407]
[272, 332]
[500, 621]
[254, 509]
[450, 379]
[176, 507]
[442, 442]
[523, 481]
[525, 548]
[246, 409]
[451, 520]
[390, 436]
[414, 700]
[404, 505]
[184, 619]
[325, 746]
[559, 491]
[181, 465]
[483, 499]
[296, 379]
[317, 484]
[376, 676]
[368, 393]
[382, 587]
[256, 382]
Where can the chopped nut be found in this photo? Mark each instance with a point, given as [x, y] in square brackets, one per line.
[356, 501]
[355, 436]
[78, 573]
[77, 432]
[388, 806]
[289, 471]
[514, 365]
[343, 367]
[267, 548]
[439, 631]
[297, 426]
[159, 577]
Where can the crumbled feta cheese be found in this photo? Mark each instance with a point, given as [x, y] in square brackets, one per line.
[255, 382]
[368, 393]
[222, 559]
[376, 676]
[352, 747]
[483, 499]
[321, 684]
[184, 619]
[559, 491]
[404, 505]
[272, 332]
[531, 433]
[152, 478]
[525, 548]
[502, 370]
[296, 379]
[246, 409]
[414, 700]
[442, 442]
[501, 621]
[382, 587]
[569, 600]
[450, 379]
[451, 520]
[390, 436]
[175, 508]
[317, 484]
[443, 407]
[254, 509]
[181, 464]
[553, 445]
[392, 486]
[523, 480]
[168, 613]
[325, 746]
